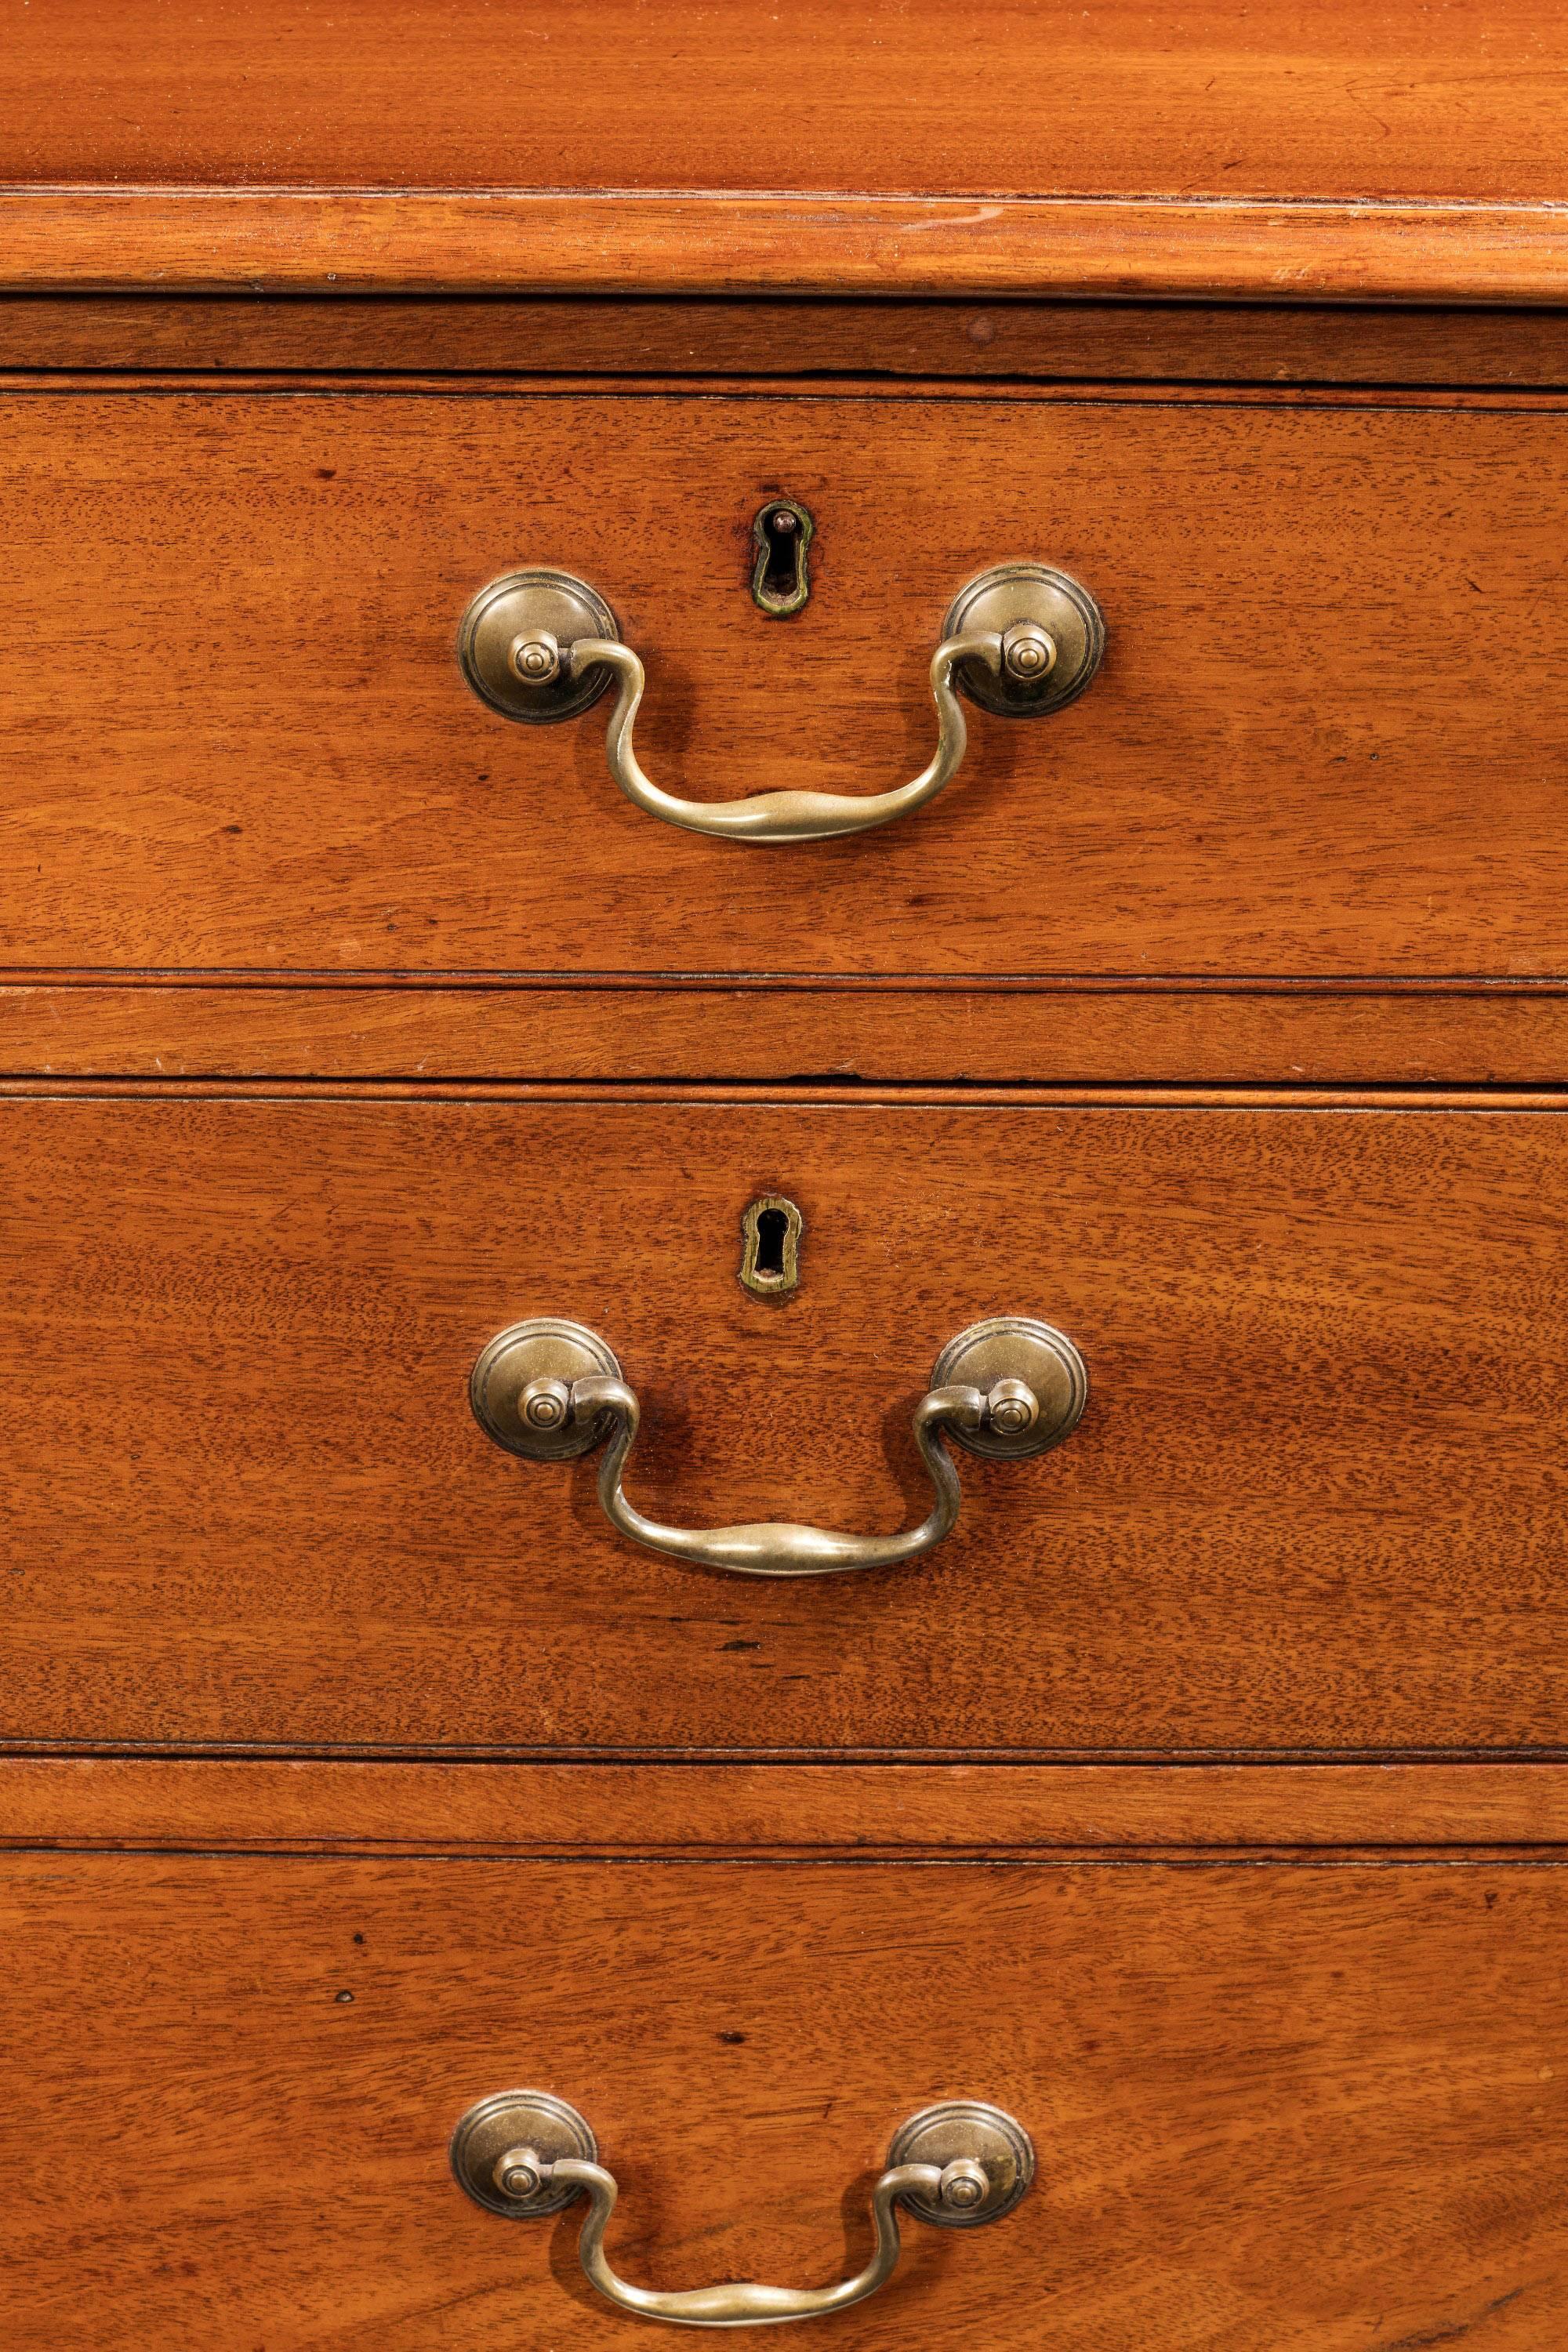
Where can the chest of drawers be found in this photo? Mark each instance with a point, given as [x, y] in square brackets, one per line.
[782, 1162]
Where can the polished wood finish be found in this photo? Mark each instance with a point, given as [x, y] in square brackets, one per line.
[1326, 739]
[1305, 1035]
[1319, 2108]
[1060, 341]
[1310, 1508]
[1251, 99]
[207, 1804]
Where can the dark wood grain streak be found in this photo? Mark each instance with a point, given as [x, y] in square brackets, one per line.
[1312, 1505]
[1318, 2109]
[764, 1808]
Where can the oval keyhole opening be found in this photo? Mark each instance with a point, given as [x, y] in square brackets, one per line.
[780, 582]
[771, 1226]
[770, 1261]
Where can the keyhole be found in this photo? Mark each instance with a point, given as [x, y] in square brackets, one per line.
[781, 535]
[770, 1262]
[780, 580]
[772, 1227]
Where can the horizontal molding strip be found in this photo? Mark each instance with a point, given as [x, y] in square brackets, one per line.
[205, 1804]
[350, 240]
[747, 1033]
[876, 1095]
[710, 984]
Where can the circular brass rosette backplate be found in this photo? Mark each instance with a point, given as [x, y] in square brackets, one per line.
[1036, 594]
[531, 2120]
[533, 609]
[548, 1348]
[967, 2128]
[1016, 1348]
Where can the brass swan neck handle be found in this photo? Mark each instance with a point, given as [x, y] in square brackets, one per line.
[745, 2302]
[542, 646]
[525, 2153]
[549, 1390]
[774, 1547]
[772, 818]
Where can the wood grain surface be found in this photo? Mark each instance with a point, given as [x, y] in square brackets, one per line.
[1250, 98]
[1313, 1506]
[1052, 341]
[1322, 2109]
[1300, 1034]
[1328, 738]
[204, 1803]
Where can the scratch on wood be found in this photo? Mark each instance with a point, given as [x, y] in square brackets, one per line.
[1452, 2334]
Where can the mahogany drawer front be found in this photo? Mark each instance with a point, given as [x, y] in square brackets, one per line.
[1326, 738]
[1312, 1504]
[1314, 2107]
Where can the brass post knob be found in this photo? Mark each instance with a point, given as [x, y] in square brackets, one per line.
[535, 660]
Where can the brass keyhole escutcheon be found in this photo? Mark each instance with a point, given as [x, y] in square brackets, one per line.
[770, 1233]
[780, 581]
